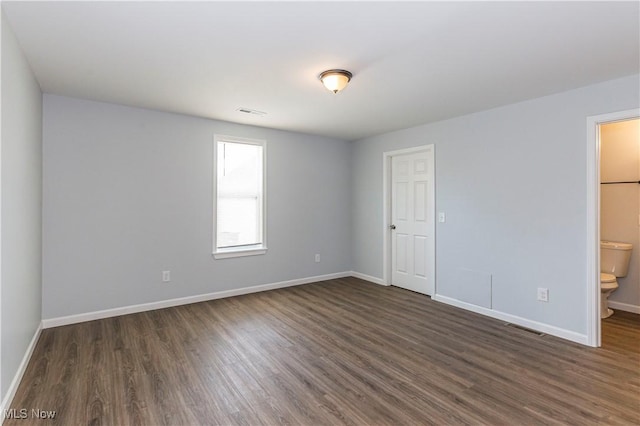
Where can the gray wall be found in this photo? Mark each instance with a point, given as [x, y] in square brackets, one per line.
[128, 193]
[21, 236]
[512, 182]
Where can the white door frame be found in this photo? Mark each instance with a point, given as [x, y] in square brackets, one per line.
[594, 337]
[386, 216]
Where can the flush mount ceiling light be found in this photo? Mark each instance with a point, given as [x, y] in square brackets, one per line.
[335, 80]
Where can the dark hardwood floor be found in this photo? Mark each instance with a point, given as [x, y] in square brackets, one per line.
[336, 352]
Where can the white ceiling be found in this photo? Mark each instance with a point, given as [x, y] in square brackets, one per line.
[413, 62]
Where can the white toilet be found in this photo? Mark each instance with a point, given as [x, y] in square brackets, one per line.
[614, 263]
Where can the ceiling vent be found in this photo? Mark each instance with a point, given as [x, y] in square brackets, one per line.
[251, 111]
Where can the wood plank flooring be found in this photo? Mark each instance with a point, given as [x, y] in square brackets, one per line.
[336, 352]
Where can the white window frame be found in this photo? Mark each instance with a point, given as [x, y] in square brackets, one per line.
[252, 250]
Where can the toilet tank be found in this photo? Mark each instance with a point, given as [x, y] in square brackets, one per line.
[615, 257]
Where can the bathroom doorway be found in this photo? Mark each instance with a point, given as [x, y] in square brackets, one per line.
[620, 176]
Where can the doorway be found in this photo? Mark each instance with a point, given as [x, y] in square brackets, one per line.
[409, 219]
[594, 332]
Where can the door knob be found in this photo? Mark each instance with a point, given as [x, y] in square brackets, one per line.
[392, 227]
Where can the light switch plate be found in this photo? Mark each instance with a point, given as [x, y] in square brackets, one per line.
[543, 294]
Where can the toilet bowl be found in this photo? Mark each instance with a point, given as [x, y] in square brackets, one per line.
[608, 284]
[614, 263]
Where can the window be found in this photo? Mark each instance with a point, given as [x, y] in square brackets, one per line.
[239, 197]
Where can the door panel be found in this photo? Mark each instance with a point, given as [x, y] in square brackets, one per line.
[412, 217]
[420, 256]
[401, 201]
[401, 253]
[420, 209]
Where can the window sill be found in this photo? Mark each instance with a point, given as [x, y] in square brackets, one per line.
[228, 253]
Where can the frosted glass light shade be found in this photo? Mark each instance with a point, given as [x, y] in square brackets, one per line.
[335, 80]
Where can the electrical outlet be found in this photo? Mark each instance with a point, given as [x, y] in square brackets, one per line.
[543, 294]
[166, 276]
[317, 258]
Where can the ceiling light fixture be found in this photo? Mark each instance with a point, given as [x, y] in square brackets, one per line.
[335, 80]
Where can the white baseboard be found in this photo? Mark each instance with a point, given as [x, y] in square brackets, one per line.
[17, 378]
[624, 307]
[132, 309]
[523, 322]
[368, 278]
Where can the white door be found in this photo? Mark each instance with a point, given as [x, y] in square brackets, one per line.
[412, 221]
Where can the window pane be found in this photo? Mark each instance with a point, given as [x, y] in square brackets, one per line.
[239, 204]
